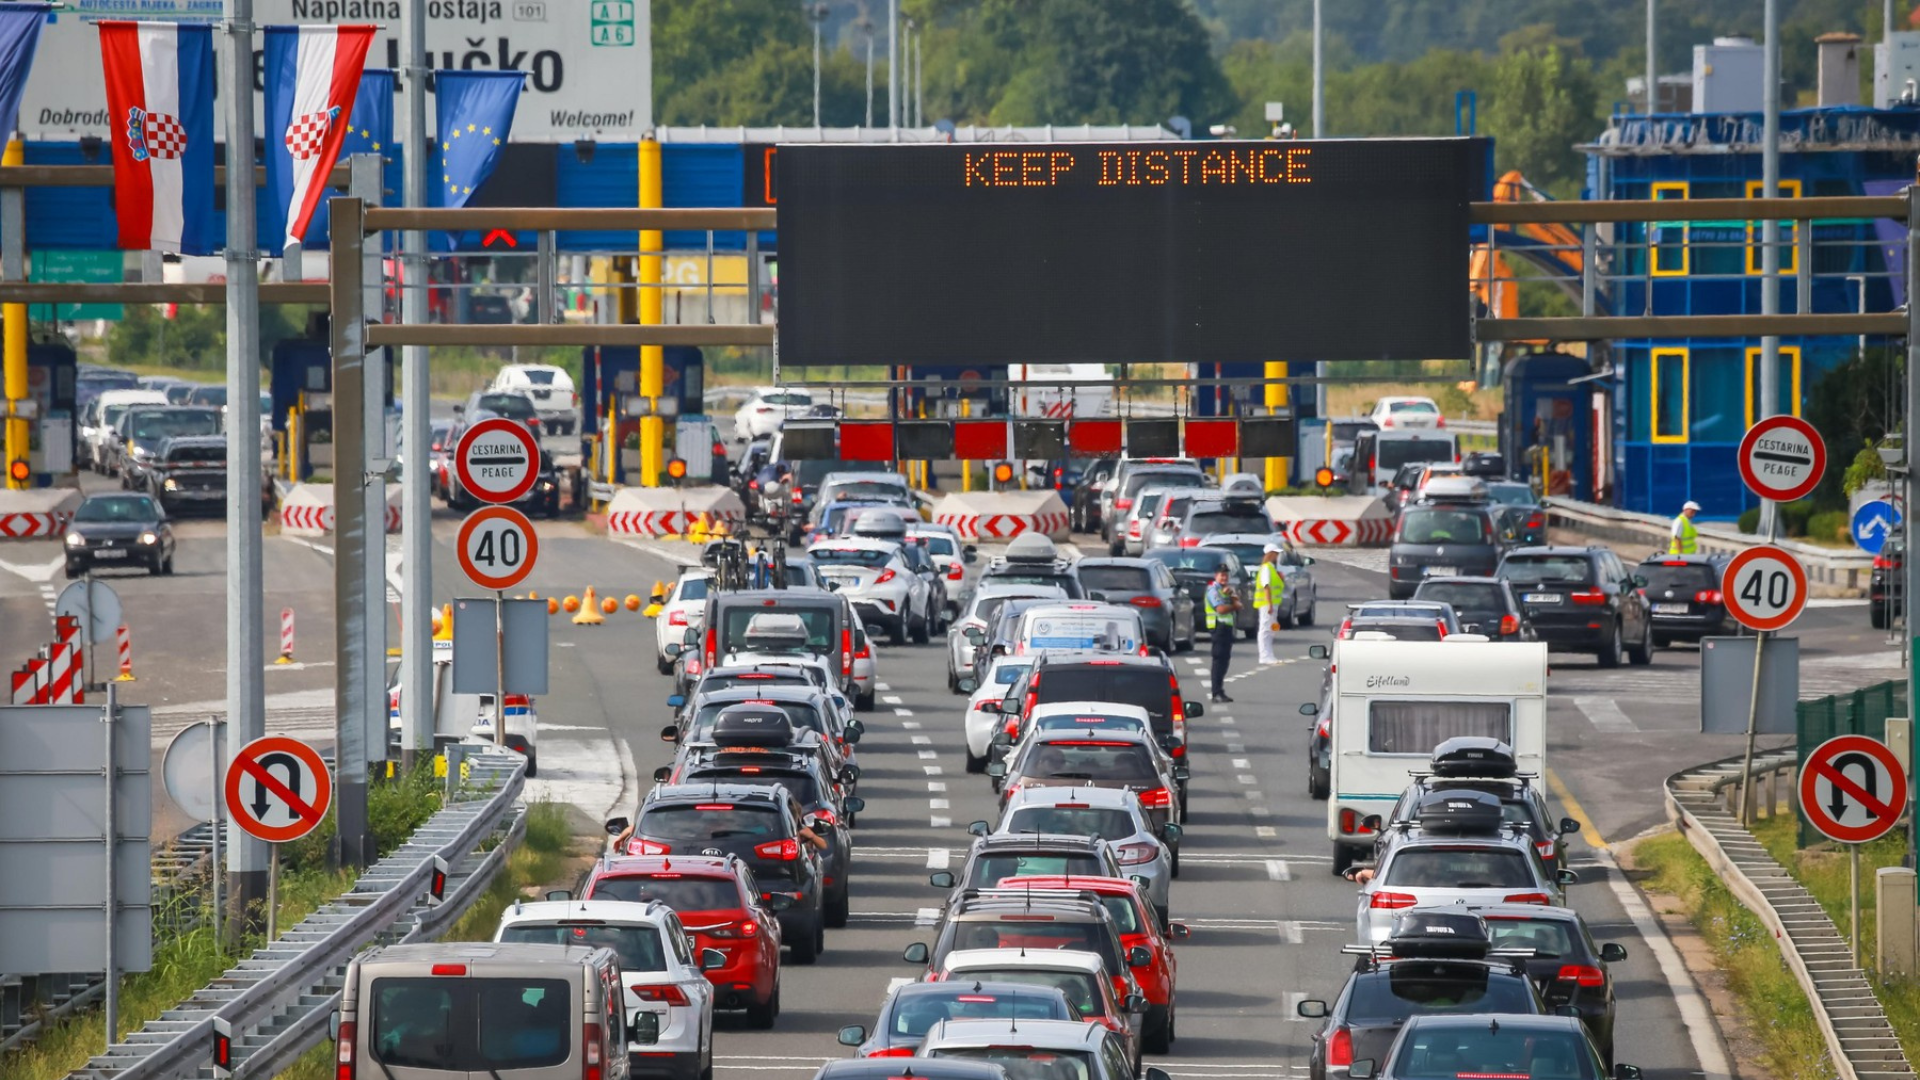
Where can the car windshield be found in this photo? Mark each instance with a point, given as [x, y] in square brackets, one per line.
[872, 491]
[1393, 995]
[820, 624]
[1089, 759]
[938, 544]
[1148, 687]
[1478, 1049]
[994, 867]
[639, 947]
[1464, 596]
[1421, 525]
[1393, 453]
[1679, 577]
[511, 406]
[1402, 629]
[1460, 868]
[1210, 522]
[209, 395]
[162, 423]
[799, 784]
[1162, 478]
[1249, 554]
[1029, 1063]
[1546, 937]
[681, 892]
[1082, 993]
[1547, 569]
[1008, 674]
[711, 821]
[1511, 494]
[1188, 562]
[1104, 822]
[1115, 578]
[867, 557]
[538, 376]
[1413, 407]
[915, 1013]
[117, 508]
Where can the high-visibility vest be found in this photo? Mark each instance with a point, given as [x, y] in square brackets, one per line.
[1212, 616]
[1269, 586]
[1686, 539]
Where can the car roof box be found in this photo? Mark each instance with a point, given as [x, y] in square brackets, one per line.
[1438, 934]
[752, 725]
[1032, 547]
[1474, 755]
[1461, 812]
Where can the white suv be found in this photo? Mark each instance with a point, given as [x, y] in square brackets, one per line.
[767, 409]
[669, 1001]
[551, 389]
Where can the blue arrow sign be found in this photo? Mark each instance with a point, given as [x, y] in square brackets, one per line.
[1873, 523]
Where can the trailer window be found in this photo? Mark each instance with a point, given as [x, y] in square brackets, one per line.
[1416, 727]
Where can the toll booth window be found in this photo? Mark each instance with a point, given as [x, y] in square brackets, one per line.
[1788, 383]
[413, 1022]
[1667, 240]
[523, 1023]
[1789, 231]
[1670, 372]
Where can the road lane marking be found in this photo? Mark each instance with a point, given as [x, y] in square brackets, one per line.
[1258, 811]
[1277, 870]
[1573, 808]
[1291, 933]
[910, 725]
[925, 916]
[939, 804]
[922, 740]
[1605, 715]
[940, 822]
[936, 785]
[1294, 998]
[882, 687]
[1225, 719]
[1245, 778]
[934, 770]
[1265, 832]
[1254, 795]
[1242, 763]
[928, 755]
[903, 712]
[1694, 1015]
[938, 858]
[892, 699]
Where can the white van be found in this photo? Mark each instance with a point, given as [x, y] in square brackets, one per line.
[467, 717]
[97, 423]
[1378, 454]
[518, 1011]
[1394, 701]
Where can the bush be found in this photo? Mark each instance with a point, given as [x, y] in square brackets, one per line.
[1750, 520]
[1829, 525]
[395, 808]
[1793, 517]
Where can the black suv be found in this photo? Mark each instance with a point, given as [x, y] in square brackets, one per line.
[1475, 763]
[1441, 539]
[1582, 599]
[1683, 597]
[1483, 605]
[995, 858]
[1147, 681]
[1004, 919]
[189, 470]
[1884, 588]
[761, 824]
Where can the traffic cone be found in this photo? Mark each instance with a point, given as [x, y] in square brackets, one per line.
[657, 601]
[697, 528]
[633, 601]
[589, 611]
[443, 623]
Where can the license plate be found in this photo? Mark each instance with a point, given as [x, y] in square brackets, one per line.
[110, 553]
[1669, 609]
[1542, 598]
[1442, 571]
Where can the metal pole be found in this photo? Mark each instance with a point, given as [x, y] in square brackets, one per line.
[1803, 266]
[893, 68]
[815, 13]
[416, 498]
[1853, 892]
[919, 85]
[13, 266]
[364, 183]
[216, 731]
[1886, 19]
[1653, 66]
[1910, 573]
[351, 542]
[1769, 381]
[112, 1006]
[1753, 718]
[273, 891]
[869, 76]
[544, 273]
[246, 661]
[499, 668]
[1319, 75]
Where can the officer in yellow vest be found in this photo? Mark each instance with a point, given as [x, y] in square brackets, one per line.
[1222, 602]
[1686, 538]
[1269, 591]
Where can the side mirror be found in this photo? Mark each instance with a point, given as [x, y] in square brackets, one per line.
[1136, 1003]
[1639, 582]
[1626, 1072]
[558, 894]
[459, 410]
[852, 1035]
[850, 774]
[670, 733]
[333, 1025]
[992, 707]
[712, 959]
[1318, 652]
[855, 804]
[1309, 708]
[776, 901]
[970, 554]
[661, 774]
[968, 684]
[1157, 1074]
[1568, 826]
[852, 737]
[941, 879]
[675, 701]
[977, 828]
[1139, 956]
[974, 635]
[916, 953]
[1097, 596]
[856, 727]
[1361, 1070]
[819, 825]
[1195, 710]
[996, 769]
[1002, 739]
[675, 648]
[1311, 1009]
[1172, 831]
[1182, 771]
[1371, 823]
[1179, 930]
[1567, 877]
[616, 826]
[1613, 952]
[1307, 560]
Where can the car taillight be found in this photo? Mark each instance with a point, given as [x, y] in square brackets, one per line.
[1346, 629]
[1881, 562]
[1189, 541]
[1582, 975]
[1145, 601]
[591, 1067]
[713, 644]
[1442, 624]
[846, 652]
[637, 846]
[753, 485]
[1528, 898]
[343, 1055]
[1173, 693]
[1509, 625]
[676, 618]
[828, 816]
[1157, 799]
[785, 850]
[1340, 1047]
[1122, 504]
[885, 576]
[955, 571]
[796, 496]
[1708, 596]
[437, 448]
[1536, 521]
[893, 1051]
[746, 929]
[1440, 423]
[1135, 854]
[1352, 823]
[1322, 727]
[864, 652]
[1013, 728]
[693, 666]
[1392, 901]
[1588, 597]
[1133, 529]
[660, 995]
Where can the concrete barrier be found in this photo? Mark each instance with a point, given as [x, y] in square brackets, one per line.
[656, 512]
[307, 510]
[993, 516]
[1332, 521]
[37, 513]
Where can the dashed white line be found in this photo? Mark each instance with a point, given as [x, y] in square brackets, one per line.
[938, 858]
[939, 804]
[910, 725]
[928, 755]
[927, 916]
[1277, 870]
[940, 822]
[1294, 998]
[1258, 811]
[1265, 832]
[891, 699]
[922, 740]
[936, 785]
[1242, 763]
[903, 712]
[1605, 714]
[881, 687]
[934, 770]
[1245, 778]
[1254, 796]
[1225, 719]
[1290, 932]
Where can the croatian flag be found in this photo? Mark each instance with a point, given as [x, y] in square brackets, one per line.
[160, 114]
[313, 76]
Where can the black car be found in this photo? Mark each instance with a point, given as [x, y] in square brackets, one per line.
[147, 427]
[1581, 599]
[912, 1008]
[1441, 540]
[1884, 588]
[119, 530]
[994, 858]
[1147, 681]
[189, 470]
[1567, 966]
[761, 824]
[1167, 608]
[1435, 963]
[1683, 597]
[1484, 605]
[1083, 514]
[1523, 519]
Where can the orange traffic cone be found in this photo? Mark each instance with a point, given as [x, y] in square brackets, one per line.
[589, 610]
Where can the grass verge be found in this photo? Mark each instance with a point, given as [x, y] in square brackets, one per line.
[1776, 1011]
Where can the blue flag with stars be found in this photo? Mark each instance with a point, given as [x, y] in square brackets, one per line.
[476, 113]
[369, 132]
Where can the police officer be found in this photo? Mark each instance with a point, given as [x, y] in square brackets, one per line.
[1222, 602]
[1685, 539]
[1269, 589]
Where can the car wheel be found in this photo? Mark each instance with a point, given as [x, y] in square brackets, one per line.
[976, 764]
[1307, 619]
[762, 1016]
[1159, 1034]
[897, 633]
[1342, 859]
[1877, 616]
[1173, 857]
[806, 944]
[839, 908]
[72, 571]
[1317, 783]
[921, 632]
[1250, 633]
[1660, 642]
[1610, 651]
[1642, 655]
[663, 665]
[167, 567]
[863, 702]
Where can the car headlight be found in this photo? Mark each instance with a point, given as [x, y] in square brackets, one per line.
[140, 453]
[74, 539]
[149, 538]
[171, 484]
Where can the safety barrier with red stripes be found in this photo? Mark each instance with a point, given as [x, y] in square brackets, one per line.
[666, 522]
[1326, 532]
[34, 526]
[310, 517]
[57, 675]
[991, 527]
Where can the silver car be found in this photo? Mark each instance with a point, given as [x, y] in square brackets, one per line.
[875, 577]
[979, 614]
[866, 666]
[1113, 814]
[1301, 592]
[1430, 869]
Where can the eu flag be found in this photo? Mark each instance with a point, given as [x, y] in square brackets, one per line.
[369, 132]
[19, 36]
[476, 113]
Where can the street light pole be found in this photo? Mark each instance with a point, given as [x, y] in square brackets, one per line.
[1769, 381]
[818, 14]
[1319, 75]
[893, 68]
[1653, 67]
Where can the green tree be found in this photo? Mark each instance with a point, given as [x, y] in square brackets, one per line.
[1541, 103]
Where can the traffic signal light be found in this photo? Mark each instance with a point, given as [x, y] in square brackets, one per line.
[677, 468]
[19, 471]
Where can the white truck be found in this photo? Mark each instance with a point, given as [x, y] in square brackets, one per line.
[1394, 701]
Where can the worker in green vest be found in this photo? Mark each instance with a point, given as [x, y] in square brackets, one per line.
[1222, 601]
[1686, 538]
[1269, 590]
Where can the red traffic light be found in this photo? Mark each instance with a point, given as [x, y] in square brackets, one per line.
[19, 471]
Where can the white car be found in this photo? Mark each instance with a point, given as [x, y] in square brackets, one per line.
[669, 1001]
[551, 389]
[875, 577]
[1081, 975]
[951, 554]
[1080, 626]
[980, 612]
[866, 666]
[767, 409]
[1407, 412]
[685, 605]
[97, 430]
[1052, 1048]
[980, 724]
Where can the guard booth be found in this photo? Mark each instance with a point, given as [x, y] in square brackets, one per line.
[1554, 422]
[302, 407]
[611, 406]
[51, 372]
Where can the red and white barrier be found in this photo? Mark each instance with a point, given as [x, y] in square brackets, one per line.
[655, 512]
[999, 516]
[286, 636]
[307, 510]
[36, 514]
[123, 643]
[1332, 521]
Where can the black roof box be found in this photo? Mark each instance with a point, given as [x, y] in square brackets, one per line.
[1474, 755]
[752, 725]
[1460, 812]
[1435, 933]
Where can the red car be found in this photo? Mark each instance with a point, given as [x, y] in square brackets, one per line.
[716, 902]
[1134, 918]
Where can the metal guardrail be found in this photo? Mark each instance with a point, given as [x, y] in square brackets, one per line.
[1838, 568]
[276, 1001]
[1859, 1040]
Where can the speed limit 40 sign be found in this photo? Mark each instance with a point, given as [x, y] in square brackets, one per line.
[497, 547]
[1764, 587]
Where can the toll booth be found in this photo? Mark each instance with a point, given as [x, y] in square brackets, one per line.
[51, 372]
[610, 404]
[1554, 420]
[302, 390]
